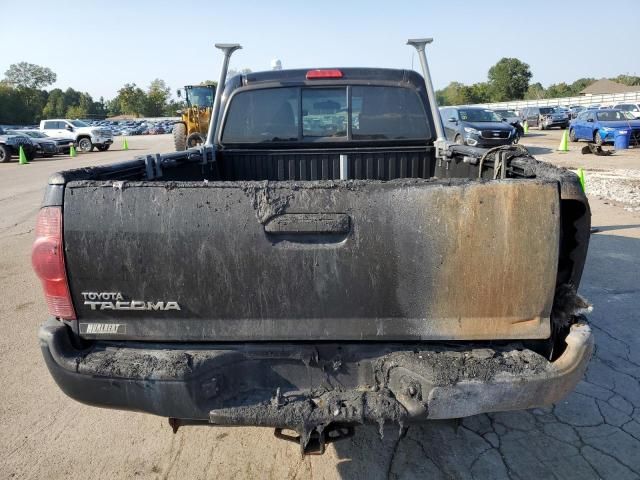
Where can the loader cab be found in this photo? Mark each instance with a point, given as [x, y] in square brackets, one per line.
[200, 95]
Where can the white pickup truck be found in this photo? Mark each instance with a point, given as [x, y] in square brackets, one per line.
[84, 135]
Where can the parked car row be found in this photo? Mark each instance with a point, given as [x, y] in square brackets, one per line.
[47, 146]
[33, 143]
[58, 135]
[483, 127]
[134, 127]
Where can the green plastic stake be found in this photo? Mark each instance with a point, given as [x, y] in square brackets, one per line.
[581, 178]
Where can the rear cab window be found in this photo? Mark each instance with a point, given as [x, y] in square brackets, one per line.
[325, 113]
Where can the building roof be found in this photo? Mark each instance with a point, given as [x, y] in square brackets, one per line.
[605, 86]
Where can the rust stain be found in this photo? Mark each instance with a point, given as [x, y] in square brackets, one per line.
[498, 273]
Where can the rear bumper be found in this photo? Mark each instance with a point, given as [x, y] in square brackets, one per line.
[287, 385]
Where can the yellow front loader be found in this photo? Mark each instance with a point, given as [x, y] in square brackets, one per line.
[192, 128]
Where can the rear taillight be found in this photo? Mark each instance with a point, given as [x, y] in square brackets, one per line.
[47, 258]
[323, 74]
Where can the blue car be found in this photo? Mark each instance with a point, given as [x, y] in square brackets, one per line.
[600, 126]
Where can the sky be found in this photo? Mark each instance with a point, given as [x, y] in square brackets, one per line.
[98, 46]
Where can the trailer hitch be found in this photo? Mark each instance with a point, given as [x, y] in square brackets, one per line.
[317, 418]
[318, 441]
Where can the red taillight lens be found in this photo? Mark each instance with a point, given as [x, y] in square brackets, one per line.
[47, 258]
[323, 74]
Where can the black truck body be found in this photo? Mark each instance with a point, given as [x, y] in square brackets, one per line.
[334, 274]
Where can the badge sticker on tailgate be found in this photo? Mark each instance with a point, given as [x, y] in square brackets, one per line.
[102, 328]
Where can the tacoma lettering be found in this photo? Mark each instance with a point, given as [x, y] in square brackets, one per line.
[115, 301]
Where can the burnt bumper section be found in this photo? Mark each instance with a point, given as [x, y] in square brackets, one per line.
[312, 387]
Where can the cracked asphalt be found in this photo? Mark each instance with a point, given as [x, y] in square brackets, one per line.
[594, 433]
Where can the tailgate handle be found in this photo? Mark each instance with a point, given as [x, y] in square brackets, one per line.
[309, 223]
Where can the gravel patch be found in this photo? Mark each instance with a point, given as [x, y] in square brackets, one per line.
[619, 186]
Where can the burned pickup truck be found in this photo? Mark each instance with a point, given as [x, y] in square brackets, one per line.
[325, 260]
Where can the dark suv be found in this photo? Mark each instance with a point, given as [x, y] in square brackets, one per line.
[544, 117]
[476, 127]
[10, 145]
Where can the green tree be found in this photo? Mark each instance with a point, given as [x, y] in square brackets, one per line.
[11, 105]
[76, 111]
[157, 97]
[85, 102]
[28, 75]
[630, 80]
[480, 92]
[457, 93]
[441, 98]
[59, 104]
[172, 107]
[509, 80]
[112, 107]
[558, 90]
[535, 92]
[35, 100]
[98, 108]
[581, 84]
[71, 97]
[55, 106]
[131, 99]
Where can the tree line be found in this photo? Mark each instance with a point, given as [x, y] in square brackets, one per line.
[509, 79]
[24, 100]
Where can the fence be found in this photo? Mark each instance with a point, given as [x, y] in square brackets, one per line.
[605, 99]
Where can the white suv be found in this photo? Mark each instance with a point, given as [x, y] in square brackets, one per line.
[84, 135]
[632, 108]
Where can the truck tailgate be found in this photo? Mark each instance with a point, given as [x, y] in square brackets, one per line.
[251, 261]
